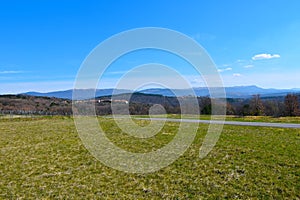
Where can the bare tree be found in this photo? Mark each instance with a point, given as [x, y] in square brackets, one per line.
[256, 106]
[205, 105]
[272, 108]
[291, 105]
[230, 109]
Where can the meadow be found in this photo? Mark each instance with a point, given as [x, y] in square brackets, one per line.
[44, 158]
[271, 119]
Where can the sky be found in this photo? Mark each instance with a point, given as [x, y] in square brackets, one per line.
[44, 43]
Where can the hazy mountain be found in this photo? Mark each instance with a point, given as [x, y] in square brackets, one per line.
[139, 104]
[231, 92]
[80, 93]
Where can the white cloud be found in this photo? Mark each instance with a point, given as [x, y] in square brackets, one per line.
[240, 61]
[11, 72]
[226, 65]
[117, 72]
[226, 69]
[264, 56]
[248, 66]
[236, 75]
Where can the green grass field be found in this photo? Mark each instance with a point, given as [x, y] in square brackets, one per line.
[43, 158]
[295, 120]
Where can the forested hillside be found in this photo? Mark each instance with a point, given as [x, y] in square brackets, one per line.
[139, 104]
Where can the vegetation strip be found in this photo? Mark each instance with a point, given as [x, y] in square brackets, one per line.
[44, 158]
[264, 124]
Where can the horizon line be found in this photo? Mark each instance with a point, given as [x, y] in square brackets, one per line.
[111, 88]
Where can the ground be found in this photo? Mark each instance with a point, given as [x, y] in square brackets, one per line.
[44, 158]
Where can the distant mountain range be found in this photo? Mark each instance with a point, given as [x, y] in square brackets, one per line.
[231, 92]
[84, 93]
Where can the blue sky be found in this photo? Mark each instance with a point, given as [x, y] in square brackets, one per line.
[43, 43]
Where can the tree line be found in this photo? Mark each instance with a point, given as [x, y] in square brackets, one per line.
[140, 104]
[256, 106]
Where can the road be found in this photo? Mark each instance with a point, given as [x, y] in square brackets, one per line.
[263, 124]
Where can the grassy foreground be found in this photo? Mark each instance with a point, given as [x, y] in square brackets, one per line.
[43, 158]
[270, 119]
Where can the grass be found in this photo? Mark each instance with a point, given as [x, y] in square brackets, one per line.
[43, 158]
[237, 118]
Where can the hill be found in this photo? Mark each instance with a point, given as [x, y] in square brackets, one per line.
[139, 103]
[231, 92]
[25, 104]
[85, 93]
